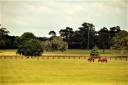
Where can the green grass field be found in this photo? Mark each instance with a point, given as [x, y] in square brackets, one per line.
[62, 72]
[72, 52]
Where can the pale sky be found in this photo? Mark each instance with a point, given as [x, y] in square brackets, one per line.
[41, 16]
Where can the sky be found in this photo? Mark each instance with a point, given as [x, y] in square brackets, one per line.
[42, 16]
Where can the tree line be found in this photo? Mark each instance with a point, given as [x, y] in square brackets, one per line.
[85, 37]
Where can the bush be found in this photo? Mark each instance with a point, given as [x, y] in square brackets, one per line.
[94, 52]
[30, 48]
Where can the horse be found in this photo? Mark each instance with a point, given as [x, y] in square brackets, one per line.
[102, 60]
[91, 59]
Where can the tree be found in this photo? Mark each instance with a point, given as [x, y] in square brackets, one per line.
[53, 33]
[3, 38]
[103, 39]
[55, 44]
[10, 42]
[114, 31]
[67, 35]
[63, 46]
[30, 48]
[27, 36]
[120, 41]
[87, 35]
[59, 44]
[3, 32]
[42, 38]
[83, 38]
[2, 44]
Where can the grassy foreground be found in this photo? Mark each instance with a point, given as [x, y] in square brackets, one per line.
[62, 72]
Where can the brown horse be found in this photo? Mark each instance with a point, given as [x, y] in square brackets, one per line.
[102, 60]
[91, 59]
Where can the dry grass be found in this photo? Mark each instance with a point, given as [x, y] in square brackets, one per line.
[62, 71]
[64, 83]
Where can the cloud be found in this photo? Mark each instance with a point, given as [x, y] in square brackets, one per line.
[0, 13]
[42, 16]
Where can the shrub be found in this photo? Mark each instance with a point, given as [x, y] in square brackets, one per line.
[94, 52]
[30, 48]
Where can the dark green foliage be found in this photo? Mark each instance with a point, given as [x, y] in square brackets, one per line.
[3, 32]
[103, 38]
[114, 31]
[94, 52]
[2, 44]
[85, 37]
[42, 38]
[53, 33]
[3, 38]
[82, 38]
[7, 41]
[30, 48]
[27, 36]
[67, 35]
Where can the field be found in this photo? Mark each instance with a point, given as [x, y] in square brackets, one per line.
[73, 52]
[56, 71]
[61, 71]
